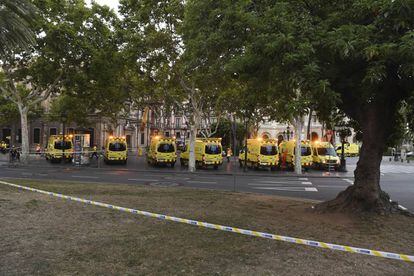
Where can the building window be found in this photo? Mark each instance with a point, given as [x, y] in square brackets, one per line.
[188, 134]
[315, 118]
[36, 135]
[178, 122]
[167, 134]
[53, 131]
[70, 131]
[178, 135]
[142, 138]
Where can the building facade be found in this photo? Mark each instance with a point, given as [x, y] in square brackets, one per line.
[138, 132]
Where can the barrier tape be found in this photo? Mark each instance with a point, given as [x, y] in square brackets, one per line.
[337, 247]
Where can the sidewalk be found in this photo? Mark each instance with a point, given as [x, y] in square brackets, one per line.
[139, 164]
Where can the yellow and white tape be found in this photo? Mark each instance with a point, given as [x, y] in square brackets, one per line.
[376, 253]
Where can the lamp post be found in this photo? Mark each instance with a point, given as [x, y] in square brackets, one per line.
[343, 133]
[64, 120]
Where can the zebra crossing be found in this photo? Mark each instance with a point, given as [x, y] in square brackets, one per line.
[391, 169]
[291, 184]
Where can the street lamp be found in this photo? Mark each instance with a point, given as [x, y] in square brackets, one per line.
[343, 133]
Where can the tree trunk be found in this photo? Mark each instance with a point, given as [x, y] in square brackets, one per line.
[234, 130]
[192, 161]
[193, 136]
[366, 194]
[298, 145]
[308, 135]
[23, 110]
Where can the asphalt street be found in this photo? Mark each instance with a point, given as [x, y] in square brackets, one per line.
[397, 179]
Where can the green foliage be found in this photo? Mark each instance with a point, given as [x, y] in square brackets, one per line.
[75, 109]
[8, 112]
[16, 18]
[150, 41]
[355, 56]
[82, 43]
[225, 132]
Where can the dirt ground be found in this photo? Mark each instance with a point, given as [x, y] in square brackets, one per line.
[41, 235]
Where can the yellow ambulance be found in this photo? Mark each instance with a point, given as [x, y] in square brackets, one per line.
[3, 147]
[349, 149]
[287, 150]
[162, 151]
[57, 148]
[324, 155]
[116, 150]
[261, 153]
[208, 153]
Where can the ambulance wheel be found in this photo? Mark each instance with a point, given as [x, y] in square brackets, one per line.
[172, 165]
[216, 167]
[241, 163]
[273, 168]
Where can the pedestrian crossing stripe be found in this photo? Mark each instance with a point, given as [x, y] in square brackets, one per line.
[376, 253]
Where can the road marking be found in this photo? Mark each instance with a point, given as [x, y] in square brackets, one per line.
[276, 182]
[201, 182]
[84, 176]
[216, 177]
[176, 178]
[273, 184]
[402, 207]
[348, 180]
[142, 179]
[288, 189]
[334, 187]
[303, 178]
[306, 183]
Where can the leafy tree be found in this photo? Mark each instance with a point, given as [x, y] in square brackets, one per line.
[225, 131]
[8, 112]
[75, 110]
[355, 56]
[157, 45]
[75, 54]
[16, 18]
[366, 55]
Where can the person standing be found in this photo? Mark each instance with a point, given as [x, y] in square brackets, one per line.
[229, 154]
